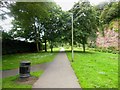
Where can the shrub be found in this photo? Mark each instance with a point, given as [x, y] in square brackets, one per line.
[14, 46]
[110, 49]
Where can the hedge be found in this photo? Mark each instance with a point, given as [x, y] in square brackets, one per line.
[14, 46]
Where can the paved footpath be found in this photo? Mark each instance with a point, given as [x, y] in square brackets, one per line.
[59, 74]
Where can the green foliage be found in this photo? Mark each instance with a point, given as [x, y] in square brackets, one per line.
[107, 12]
[26, 14]
[28, 18]
[110, 12]
[65, 30]
[110, 49]
[84, 22]
[6, 35]
[53, 26]
[37, 21]
[114, 24]
[45, 22]
[95, 69]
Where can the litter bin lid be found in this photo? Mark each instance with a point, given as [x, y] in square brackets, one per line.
[22, 63]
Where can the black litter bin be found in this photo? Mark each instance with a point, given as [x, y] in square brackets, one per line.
[24, 69]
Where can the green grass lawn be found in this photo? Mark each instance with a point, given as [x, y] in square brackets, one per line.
[12, 61]
[95, 69]
[10, 82]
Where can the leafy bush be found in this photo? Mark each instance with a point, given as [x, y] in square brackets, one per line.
[110, 12]
[110, 49]
[14, 46]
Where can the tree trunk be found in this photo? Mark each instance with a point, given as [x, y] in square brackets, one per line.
[83, 47]
[37, 41]
[45, 46]
[37, 45]
[83, 43]
[51, 49]
[51, 46]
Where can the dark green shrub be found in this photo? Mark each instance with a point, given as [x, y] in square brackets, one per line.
[110, 49]
[14, 46]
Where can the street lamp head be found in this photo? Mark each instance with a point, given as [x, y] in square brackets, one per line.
[77, 6]
[83, 14]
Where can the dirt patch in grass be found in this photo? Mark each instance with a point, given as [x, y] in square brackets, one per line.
[31, 80]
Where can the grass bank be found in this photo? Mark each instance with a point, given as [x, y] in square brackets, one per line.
[12, 61]
[95, 69]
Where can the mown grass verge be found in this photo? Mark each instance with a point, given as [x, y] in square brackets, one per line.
[95, 69]
[12, 82]
[12, 61]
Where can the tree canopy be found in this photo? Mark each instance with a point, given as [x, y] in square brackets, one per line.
[45, 22]
[110, 12]
[84, 22]
[29, 17]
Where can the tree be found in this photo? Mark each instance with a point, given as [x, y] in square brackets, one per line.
[110, 12]
[5, 36]
[28, 17]
[106, 12]
[66, 30]
[52, 27]
[84, 22]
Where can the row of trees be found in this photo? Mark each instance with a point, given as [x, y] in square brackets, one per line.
[43, 22]
[35, 21]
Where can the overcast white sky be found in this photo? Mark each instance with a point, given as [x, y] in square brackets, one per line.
[67, 4]
[64, 4]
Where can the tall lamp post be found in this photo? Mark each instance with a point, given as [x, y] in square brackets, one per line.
[72, 37]
[72, 32]
[72, 29]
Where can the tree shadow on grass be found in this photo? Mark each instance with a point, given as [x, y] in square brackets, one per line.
[27, 53]
[75, 51]
[49, 52]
